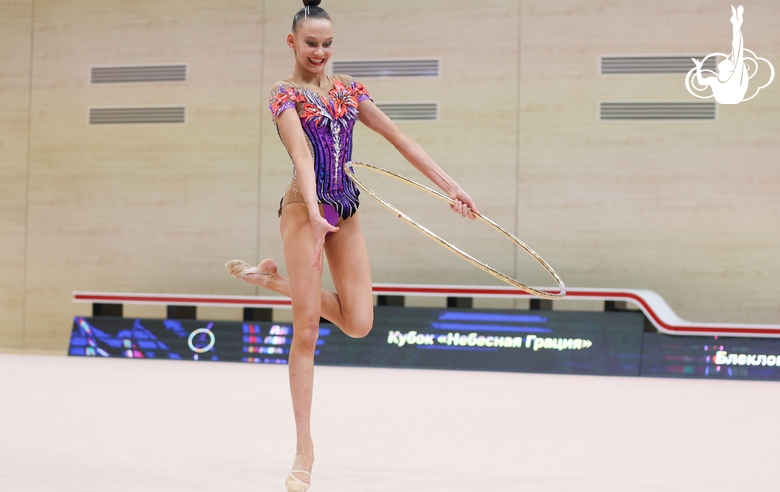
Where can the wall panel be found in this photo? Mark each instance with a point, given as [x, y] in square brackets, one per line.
[15, 48]
[140, 207]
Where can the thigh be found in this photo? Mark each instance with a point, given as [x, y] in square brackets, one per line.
[350, 270]
[299, 245]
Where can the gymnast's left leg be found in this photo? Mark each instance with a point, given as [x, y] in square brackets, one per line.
[351, 307]
[351, 273]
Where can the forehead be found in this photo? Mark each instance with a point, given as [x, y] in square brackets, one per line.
[315, 28]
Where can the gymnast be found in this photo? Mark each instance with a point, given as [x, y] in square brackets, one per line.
[319, 210]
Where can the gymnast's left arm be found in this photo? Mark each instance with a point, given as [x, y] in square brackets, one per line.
[373, 117]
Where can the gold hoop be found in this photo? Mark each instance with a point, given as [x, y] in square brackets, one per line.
[479, 264]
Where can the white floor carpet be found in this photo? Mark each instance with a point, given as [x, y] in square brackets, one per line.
[76, 424]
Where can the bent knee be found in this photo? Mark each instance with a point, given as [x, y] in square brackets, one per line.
[360, 327]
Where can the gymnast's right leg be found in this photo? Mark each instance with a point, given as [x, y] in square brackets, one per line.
[304, 289]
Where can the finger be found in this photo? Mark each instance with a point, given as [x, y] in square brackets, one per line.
[318, 253]
[472, 206]
[316, 262]
[464, 210]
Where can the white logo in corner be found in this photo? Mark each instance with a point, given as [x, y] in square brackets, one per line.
[730, 84]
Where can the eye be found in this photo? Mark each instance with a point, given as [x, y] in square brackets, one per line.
[328, 44]
[311, 43]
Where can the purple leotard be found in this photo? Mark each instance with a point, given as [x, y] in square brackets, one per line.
[330, 214]
[328, 123]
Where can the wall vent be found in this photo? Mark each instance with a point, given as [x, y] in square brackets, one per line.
[653, 64]
[388, 68]
[411, 111]
[109, 116]
[154, 73]
[658, 111]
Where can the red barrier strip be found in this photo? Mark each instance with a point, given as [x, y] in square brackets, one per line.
[646, 304]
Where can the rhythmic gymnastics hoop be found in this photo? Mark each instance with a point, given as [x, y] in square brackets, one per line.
[477, 263]
[205, 349]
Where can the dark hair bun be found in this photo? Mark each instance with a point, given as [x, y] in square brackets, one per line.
[311, 3]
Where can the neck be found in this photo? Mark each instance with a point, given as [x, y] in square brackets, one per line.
[301, 75]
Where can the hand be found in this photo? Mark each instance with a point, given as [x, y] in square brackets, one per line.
[320, 227]
[697, 62]
[463, 203]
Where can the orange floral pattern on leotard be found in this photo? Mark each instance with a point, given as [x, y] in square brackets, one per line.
[284, 98]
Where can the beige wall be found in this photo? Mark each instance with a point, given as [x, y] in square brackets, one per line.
[15, 48]
[688, 209]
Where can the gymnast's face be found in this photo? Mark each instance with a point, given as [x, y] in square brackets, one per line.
[312, 43]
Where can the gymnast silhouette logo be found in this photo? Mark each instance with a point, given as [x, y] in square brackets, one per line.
[730, 84]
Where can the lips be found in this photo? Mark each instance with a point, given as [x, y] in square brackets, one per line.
[317, 62]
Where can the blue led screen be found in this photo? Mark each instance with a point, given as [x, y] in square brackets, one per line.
[606, 343]
[711, 357]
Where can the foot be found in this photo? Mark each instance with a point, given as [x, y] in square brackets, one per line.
[300, 475]
[736, 15]
[262, 275]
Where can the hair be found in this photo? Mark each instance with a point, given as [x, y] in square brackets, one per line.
[311, 10]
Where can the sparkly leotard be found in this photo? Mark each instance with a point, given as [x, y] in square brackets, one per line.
[328, 123]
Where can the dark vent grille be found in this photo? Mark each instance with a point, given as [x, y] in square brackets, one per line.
[108, 116]
[411, 111]
[653, 64]
[158, 73]
[658, 111]
[388, 68]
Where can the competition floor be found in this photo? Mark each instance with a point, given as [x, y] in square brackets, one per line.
[77, 424]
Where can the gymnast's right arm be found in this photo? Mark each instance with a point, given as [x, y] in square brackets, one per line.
[295, 140]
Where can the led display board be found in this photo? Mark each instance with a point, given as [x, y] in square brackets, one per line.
[466, 339]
